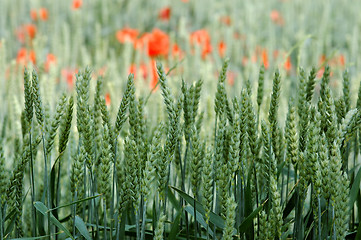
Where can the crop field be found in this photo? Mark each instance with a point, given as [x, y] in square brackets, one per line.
[182, 119]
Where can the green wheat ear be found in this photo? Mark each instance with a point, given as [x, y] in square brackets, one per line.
[230, 219]
[324, 82]
[38, 106]
[167, 96]
[3, 178]
[221, 98]
[55, 123]
[260, 87]
[28, 92]
[291, 135]
[207, 182]
[196, 161]
[346, 90]
[310, 85]
[65, 126]
[302, 109]
[97, 117]
[120, 120]
[158, 233]
[273, 113]
[105, 165]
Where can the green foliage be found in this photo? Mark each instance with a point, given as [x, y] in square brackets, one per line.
[237, 181]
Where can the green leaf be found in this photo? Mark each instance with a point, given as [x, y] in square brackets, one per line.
[358, 235]
[38, 237]
[290, 205]
[44, 210]
[200, 219]
[355, 188]
[80, 225]
[175, 226]
[12, 217]
[75, 202]
[249, 229]
[173, 200]
[249, 220]
[214, 218]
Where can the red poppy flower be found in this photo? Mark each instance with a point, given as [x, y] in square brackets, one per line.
[202, 38]
[21, 57]
[33, 15]
[244, 61]
[226, 20]
[158, 44]
[132, 69]
[222, 48]
[24, 56]
[107, 99]
[341, 60]
[43, 13]
[142, 42]
[164, 14]
[288, 64]
[154, 80]
[50, 60]
[322, 59]
[143, 69]
[277, 18]
[101, 71]
[231, 77]
[254, 58]
[77, 4]
[27, 31]
[177, 51]
[69, 75]
[265, 58]
[127, 35]
[32, 57]
[30, 30]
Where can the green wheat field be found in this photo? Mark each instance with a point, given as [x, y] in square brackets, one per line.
[182, 119]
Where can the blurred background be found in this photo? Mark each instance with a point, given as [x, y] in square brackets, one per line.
[116, 37]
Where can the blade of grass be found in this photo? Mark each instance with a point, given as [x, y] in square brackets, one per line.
[214, 218]
[80, 225]
[38, 237]
[200, 219]
[75, 202]
[249, 231]
[249, 220]
[175, 226]
[43, 210]
[355, 188]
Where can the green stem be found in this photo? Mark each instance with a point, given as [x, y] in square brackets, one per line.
[214, 176]
[333, 222]
[195, 218]
[287, 181]
[47, 183]
[319, 217]
[105, 219]
[113, 190]
[91, 209]
[256, 188]
[183, 189]
[1, 222]
[74, 212]
[143, 219]
[32, 186]
[137, 218]
[96, 213]
[282, 185]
